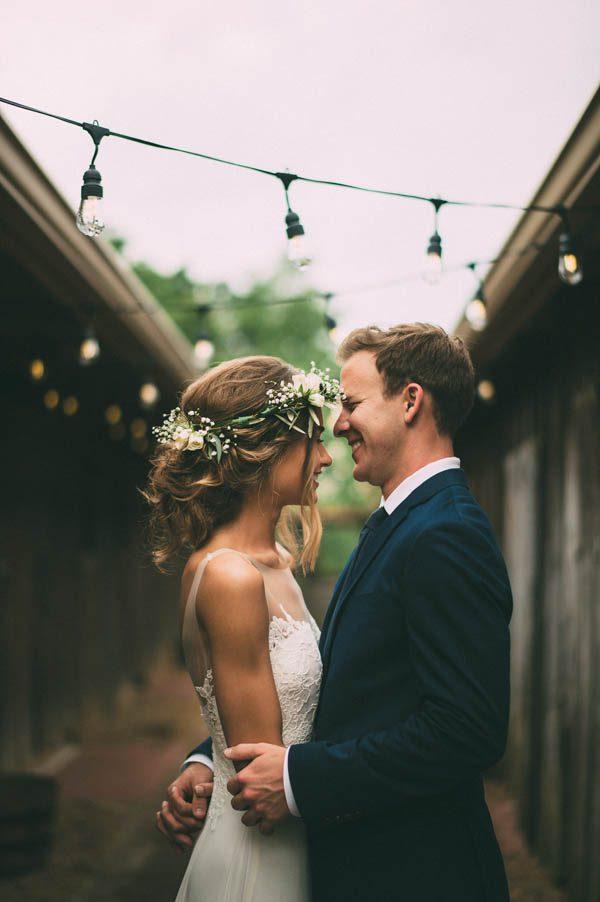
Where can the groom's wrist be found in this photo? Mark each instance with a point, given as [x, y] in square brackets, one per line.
[197, 759]
[287, 786]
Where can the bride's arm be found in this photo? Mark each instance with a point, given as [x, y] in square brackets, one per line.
[232, 608]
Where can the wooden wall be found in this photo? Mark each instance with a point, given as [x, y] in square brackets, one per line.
[83, 612]
[533, 459]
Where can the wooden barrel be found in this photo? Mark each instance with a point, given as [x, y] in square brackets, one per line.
[28, 804]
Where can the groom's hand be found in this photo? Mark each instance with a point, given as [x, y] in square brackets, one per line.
[258, 789]
[182, 814]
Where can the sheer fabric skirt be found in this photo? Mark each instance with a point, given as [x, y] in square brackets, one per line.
[234, 863]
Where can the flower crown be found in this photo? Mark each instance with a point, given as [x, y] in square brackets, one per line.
[307, 391]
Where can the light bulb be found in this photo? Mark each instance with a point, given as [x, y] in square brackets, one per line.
[298, 253]
[149, 394]
[89, 349]
[203, 351]
[89, 216]
[51, 399]
[569, 267]
[433, 261]
[476, 314]
[113, 414]
[486, 390]
[37, 370]
[138, 427]
[70, 406]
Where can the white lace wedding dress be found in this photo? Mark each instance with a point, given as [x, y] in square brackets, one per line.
[231, 862]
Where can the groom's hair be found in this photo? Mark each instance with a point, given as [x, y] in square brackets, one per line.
[423, 353]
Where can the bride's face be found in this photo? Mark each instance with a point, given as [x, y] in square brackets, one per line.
[289, 475]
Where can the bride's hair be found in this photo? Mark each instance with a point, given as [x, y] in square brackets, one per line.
[190, 496]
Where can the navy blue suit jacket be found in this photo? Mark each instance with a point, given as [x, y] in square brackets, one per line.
[413, 708]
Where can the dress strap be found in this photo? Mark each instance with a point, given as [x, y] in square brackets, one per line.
[202, 565]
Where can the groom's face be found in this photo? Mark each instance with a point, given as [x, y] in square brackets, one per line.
[371, 423]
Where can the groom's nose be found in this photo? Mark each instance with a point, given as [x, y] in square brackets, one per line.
[342, 424]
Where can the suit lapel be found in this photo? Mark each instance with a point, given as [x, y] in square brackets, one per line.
[343, 587]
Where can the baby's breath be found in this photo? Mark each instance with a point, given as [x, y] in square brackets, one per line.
[307, 391]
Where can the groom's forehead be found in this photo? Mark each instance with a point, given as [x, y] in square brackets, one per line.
[359, 374]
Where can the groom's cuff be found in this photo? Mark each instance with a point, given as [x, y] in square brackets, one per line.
[287, 786]
[197, 759]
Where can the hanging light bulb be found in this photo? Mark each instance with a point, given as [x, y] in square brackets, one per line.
[89, 216]
[330, 323]
[37, 370]
[569, 266]
[51, 399]
[138, 427]
[433, 258]
[113, 414]
[70, 406]
[149, 395]
[486, 390]
[89, 349]
[476, 312]
[298, 253]
[203, 350]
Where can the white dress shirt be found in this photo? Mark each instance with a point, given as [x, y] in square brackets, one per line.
[396, 497]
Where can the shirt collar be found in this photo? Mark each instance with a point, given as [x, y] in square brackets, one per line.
[408, 485]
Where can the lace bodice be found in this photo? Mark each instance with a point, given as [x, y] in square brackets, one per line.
[295, 661]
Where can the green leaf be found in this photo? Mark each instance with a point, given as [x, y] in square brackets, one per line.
[310, 429]
[314, 416]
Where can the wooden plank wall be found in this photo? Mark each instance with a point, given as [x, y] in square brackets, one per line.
[533, 460]
[83, 611]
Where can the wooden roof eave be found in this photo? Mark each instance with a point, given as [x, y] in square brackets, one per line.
[518, 287]
[38, 226]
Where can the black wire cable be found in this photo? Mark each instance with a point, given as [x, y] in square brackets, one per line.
[289, 177]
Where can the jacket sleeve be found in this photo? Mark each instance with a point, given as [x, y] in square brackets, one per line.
[457, 602]
[205, 748]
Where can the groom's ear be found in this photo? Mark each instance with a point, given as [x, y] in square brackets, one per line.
[412, 399]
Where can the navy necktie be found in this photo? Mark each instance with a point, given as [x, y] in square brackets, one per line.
[371, 526]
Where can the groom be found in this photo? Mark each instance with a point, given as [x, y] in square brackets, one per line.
[415, 647]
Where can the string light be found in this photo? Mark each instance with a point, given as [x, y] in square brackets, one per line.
[298, 254]
[138, 427]
[70, 406]
[203, 350]
[149, 395]
[51, 399]
[569, 267]
[89, 349]
[476, 312]
[37, 370]
[89, 219]
[486, 391]
[433, 257]
[113, 414]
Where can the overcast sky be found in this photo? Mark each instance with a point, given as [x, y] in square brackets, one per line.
[455, 98]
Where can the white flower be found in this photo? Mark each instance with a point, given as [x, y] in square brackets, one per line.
[195, 441]
[180, 437]
[307, 381]
[316, 400]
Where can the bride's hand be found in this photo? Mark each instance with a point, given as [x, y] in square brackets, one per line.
[182, 815]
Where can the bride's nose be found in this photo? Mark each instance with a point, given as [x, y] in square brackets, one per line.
[325, 458]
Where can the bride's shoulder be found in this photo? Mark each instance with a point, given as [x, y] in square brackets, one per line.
[230, 585]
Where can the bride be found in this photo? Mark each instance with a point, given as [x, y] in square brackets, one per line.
[244, 445]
